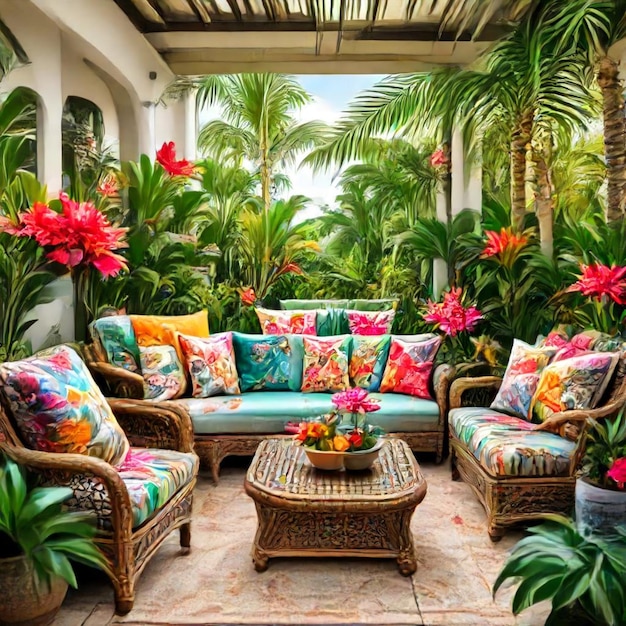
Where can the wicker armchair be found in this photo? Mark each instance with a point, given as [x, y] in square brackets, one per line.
[128, 548]
[515, 499]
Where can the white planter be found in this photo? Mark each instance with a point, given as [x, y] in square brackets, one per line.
[598, 510]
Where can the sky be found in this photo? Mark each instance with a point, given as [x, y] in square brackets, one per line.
[331, 95]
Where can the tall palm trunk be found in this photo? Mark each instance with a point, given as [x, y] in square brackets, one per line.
[520, 139]
[544, 201]
[614, 137]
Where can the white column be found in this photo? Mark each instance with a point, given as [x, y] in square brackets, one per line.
[440, 269]
[457, 164]
[50, 140]
[191, 127]
[147, 129]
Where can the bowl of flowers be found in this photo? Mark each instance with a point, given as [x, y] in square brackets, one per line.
[343, 437]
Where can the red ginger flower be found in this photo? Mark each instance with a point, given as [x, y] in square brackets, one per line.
[438, 158]
[80, 234]
[599, 280]
[618, 472]
[108, 187]
[450, 315]
[504, 241]
[166, 156]
[248, 297]
[354, 401]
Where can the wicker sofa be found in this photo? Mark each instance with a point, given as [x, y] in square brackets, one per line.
[520, 471]
[235, 424]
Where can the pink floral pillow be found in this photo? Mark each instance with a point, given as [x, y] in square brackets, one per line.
[521, 378]
[370, 322]
[325, 364]
[409, 366]
[287, 322]
[211, 364]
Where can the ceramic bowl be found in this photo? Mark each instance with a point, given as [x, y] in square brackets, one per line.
[362, 459]
[325, 460]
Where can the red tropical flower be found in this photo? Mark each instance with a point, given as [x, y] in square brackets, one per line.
[618, 472]
[108, 187]
[450, 315]
[248, 297]
[80, 234]
[599, 280]
[354, 401]
[438, 158]
[166, 156]
[503, 242]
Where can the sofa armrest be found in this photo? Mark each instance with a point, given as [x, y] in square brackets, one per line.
[121, 382]
[442, 378]
[150, 424]
[474, 391]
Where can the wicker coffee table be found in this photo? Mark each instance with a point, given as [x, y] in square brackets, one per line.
[303, 511]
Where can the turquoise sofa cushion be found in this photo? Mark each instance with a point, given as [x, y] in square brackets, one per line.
[380, 304]
[267, 412]
[508, 446]
[117, 336]
[290, 305]
[272, 362]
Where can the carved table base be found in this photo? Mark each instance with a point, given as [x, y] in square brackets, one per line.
[307, 512]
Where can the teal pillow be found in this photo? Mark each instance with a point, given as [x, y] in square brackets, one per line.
[331, 322]
[382, 304]
[368, 360]
[116, 335]
[290, 305]
[272, 362]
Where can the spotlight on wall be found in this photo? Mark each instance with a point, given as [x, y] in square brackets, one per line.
[152, 75]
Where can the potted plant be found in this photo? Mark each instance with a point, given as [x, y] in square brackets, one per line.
[38, 539]
[600, 490]
[583, 576]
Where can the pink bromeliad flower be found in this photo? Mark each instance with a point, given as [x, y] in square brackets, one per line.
[503, 242]
[79, 235]
[354, 401]
[438, 158]
[618, 472]
[166, 156]
[450, 316]
[108, 187]
[599, 280]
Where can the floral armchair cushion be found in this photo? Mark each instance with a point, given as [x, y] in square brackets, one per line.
[286, 322]
[117, 337]
[521, 378]
[211, 364]
[58, 407]
[370, 322]
[409, 366]
[575, 383]
[325, 364]
[368, 360]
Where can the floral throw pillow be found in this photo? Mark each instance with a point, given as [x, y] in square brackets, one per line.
[575, 383]
[163, 373]
[211, 364]
[409, 366]
[116, 336]
[286, 322]
[367, 361]
[263, 361]
[370, 322]
[521, 378]
[58, 407]
[325, 364]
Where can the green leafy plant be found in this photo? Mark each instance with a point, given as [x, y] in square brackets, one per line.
[606, 443]
[33, 523]
[584, 577]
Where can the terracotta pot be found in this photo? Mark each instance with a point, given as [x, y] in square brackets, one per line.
[23, 600]
[598, 510]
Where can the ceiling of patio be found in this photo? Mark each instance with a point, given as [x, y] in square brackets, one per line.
[318, 36]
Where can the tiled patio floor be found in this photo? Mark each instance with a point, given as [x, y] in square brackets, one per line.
[217, 584]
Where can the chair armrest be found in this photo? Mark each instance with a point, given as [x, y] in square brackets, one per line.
[122, 383]
[150, 424]
[442, 378]
[474, 391]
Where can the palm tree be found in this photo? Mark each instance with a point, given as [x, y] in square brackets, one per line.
[258, 124]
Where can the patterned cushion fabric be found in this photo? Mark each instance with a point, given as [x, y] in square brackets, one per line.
[293, 304]
[521, 378]
[211, 363]
[325, 364]
[575, 383]
[163, 373]
[409, 366]
[368, 360]
[331, 321]
[116, 336]
[370, 322]
[266, 361]
[58, 407]
[286, 322]
[508, 446]
[152, 477]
